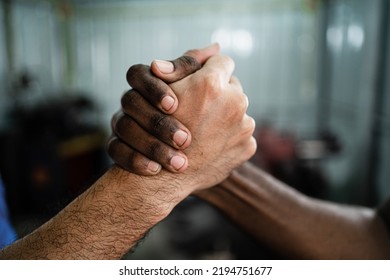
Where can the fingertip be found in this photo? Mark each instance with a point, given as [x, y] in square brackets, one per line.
[169, 104]
[146, 168]
[153, 167]
[179, 162]
[164, 66]
[182, 139]
[188, 142]
[154, 67]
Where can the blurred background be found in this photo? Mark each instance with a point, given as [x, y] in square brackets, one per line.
[315, 72]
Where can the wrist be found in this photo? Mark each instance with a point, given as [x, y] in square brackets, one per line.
[156, 195]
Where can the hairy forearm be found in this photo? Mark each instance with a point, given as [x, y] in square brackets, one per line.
[105, 221]
[295, 225]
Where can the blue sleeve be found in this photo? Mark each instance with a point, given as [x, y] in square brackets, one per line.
[7, 233]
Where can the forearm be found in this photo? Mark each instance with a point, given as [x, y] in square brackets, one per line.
[295, 225]
[104, 222]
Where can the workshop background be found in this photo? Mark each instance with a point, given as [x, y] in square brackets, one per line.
[315, 72]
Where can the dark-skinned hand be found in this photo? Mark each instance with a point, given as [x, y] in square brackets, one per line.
[145, 137]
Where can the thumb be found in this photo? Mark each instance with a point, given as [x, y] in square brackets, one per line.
[191, 61]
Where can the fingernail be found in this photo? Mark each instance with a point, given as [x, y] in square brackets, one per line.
[167, 102]
[153, 166]
[180, 137]
[165, 67]
[177, 162]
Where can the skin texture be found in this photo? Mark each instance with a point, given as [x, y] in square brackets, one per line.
[278, 216]
[297, 226]
[116, 211]
[153, 128]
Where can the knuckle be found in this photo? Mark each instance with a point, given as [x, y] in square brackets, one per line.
[111, 147]
[155, 150]
[238, 106]
[129, 99]
[228, 61]
[224, 61]
[155, 90]
[134, 71]
[249, 126]
[120, 153]
[123, 125]
[115, 118]
[188, 63]
[145, 84]
[193, 53]
[160, 123]
[212, 84]
[126, 157]
[135, 161]
[242, 103]
[130, 158]
[113, 122]
[248, 149]
[251, 147]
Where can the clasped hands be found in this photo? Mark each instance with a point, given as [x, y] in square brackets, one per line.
[186, 116]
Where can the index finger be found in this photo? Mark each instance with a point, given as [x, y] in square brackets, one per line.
[152, 82]
[191, 61]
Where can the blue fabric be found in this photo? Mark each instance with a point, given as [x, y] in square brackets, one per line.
[7, 233]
